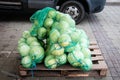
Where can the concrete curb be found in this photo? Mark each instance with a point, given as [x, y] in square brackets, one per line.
[113, 3]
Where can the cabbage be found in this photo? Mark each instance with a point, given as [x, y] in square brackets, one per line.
[86, 64]
[75, 37]
[50, 48]
[84, 43]
[55, 25]
[82, 34]
[26, 34]
[86, 52]
[24, 50]
[84, 40]
[63, 26]
[57, 50]
[30, 40]
[35, 43]
[71, 47]
[22, 40]
[54, 35]
[51, 14]
[50, 62]
[48, 23]
[37, 54]
[61, 59]
[64, 40]
[68, 19]
[36, 22]
[21, 44]
[42, 33]
[26, 62]
[75, 58]
[58, 16]
[78, 47]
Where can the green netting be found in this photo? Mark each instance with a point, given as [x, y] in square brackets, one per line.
[53, 35]
[38, 19]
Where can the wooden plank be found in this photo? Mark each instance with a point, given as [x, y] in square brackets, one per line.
[23, 73]
[97, 58]
[84, 74]
[94, 47]
[46, 74]
[79, 75]
[93, 43]
[42, 73]
[43, 68]
[103, 64]
[99, 66]
[64, 73]
[96, 52]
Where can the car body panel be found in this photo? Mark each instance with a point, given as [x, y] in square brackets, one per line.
[32, 5]
[96, 5]
[39, 4]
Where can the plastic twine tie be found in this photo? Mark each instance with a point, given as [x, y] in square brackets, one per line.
[33, 67]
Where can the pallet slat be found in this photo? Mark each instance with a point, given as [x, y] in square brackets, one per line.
[99, 67]
[97, 58]
[96, 52]
[102, 65]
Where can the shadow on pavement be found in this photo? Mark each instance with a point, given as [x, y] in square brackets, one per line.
[14, 17]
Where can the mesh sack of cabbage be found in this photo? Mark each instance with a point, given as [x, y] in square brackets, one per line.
[57, 38]
[52, 61]
[62, 38]
[38, 20]
[79, 54]
[80, 58]
[30, 49]
[55, 56]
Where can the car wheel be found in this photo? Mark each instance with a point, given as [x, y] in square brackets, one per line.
[75, 9]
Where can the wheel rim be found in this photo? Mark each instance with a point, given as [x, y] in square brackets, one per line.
[73, 11]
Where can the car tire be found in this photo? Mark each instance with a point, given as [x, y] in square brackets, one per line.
[75, 9]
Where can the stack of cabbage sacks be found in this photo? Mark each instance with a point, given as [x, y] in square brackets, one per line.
[61, 40]
[30, 50]
[64, 40]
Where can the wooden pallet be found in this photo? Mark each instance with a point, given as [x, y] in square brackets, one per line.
[99, 67]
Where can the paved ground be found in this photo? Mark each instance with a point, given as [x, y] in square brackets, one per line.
[104, 27]
[113, 1]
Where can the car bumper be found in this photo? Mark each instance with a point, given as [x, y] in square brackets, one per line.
[96, 5]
